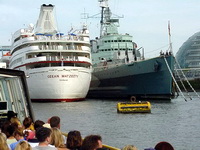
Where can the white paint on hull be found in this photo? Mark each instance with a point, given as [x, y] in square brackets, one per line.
[64, 83]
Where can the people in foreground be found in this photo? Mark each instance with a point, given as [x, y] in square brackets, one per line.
[44, 137]
[164, 146]
[57, 139]
[23, 145]
[74, 140]
[54, 122]
[3, 144]
[129, 147]
[19, 136]
[92, 142]
[9, 131]
[33, 141]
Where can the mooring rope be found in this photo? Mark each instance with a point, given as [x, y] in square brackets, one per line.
[174, 78]
[187, 79]
[183, 85]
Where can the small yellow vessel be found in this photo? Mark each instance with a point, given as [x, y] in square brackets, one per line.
[134, 107]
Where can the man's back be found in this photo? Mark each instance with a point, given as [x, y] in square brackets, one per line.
[44, 148]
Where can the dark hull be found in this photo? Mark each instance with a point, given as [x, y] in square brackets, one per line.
[148, 79]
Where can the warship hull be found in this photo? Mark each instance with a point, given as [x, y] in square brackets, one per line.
[145, 79]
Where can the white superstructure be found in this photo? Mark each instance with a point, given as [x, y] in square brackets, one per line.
[57, 66]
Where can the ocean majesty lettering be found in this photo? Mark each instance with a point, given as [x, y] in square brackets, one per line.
[63, 76]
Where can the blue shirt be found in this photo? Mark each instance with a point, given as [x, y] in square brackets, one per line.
[13, 145]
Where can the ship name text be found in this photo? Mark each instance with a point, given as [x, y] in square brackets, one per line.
[63, 76]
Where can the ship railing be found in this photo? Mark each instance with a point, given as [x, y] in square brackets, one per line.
[22, 31]
[86, 48]
[22, 41]
[29, 48]
[26, 48]
[84, 59]
[68, 58]
[36, 59]
[64, 47]
[58, 58]
[55, 37]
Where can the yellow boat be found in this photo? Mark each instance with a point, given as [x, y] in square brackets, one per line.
[134, 107]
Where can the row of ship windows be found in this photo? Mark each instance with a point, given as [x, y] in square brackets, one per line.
[124, 49]
[51, 46]
[41, 65]
[58, 56]
[51, 58]
[117, 41]
[53, 37]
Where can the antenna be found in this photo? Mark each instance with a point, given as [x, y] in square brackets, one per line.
[105, 18]
[84, 16]
[103, 4]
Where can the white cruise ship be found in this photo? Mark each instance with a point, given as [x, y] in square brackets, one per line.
[57, 66]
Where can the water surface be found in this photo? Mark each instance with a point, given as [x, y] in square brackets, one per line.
[177, 122]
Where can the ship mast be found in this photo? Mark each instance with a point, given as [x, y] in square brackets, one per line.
[103, 4]
[170, 42]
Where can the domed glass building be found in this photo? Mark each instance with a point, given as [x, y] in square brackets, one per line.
[188, 55]
[188, 58]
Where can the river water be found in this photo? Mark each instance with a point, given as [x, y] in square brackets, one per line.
[175, 121]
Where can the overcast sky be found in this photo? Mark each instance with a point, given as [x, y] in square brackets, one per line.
[145, 20]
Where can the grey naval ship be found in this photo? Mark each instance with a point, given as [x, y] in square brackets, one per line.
[120, 70]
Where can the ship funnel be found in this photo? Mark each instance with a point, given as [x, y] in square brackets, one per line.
[46, 23]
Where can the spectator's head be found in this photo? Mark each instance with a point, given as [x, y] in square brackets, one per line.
[3, 144]
[27, 122]
[16, 121]
[11, 114]
[57, 138]
[2, 137]
[129, 147]
[74, 140]
[10, 130]
[23, 145]
[164, 146]
[43, 134]
[55, 122]
[92, 142]
[18, 134]
[38, 124]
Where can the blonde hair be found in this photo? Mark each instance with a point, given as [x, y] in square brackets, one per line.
[23, 145]
[16, 120]
[3, 143]
[57, 138]
[129, 147]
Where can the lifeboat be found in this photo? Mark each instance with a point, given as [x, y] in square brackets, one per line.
[134, 107]
[7, 54]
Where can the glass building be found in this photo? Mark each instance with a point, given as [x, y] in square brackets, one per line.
[188, 55]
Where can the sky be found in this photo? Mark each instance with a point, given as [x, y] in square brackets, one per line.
[146, 20]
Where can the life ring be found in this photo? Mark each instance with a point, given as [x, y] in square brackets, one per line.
[133, 98]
